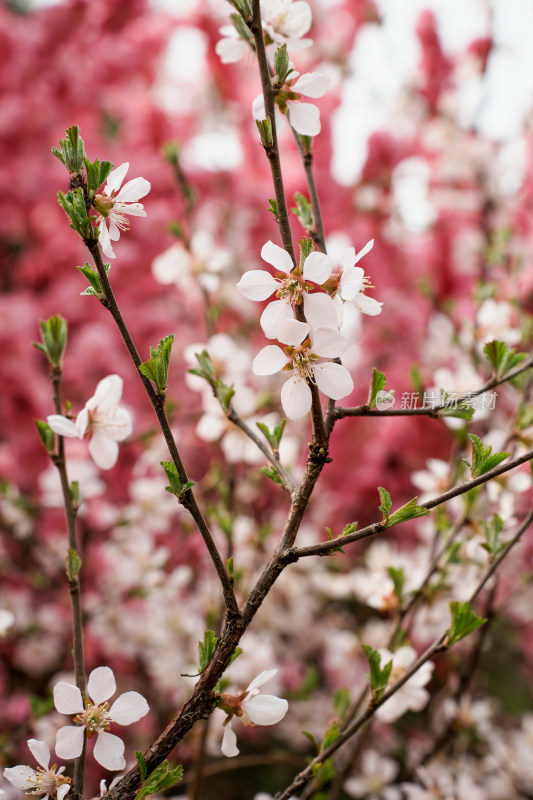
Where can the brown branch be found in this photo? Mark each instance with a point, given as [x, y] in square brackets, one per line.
[158, 404]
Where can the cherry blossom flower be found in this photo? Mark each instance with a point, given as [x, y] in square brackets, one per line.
[102, 417]
[43, 781]
[375, 774]
[7, 620]
[252, 708]
[115, 202]
[96, 716]
[411, 696]
[353, 282]
[304, 117]
[284, 22]
[291, 288]
[304, 359]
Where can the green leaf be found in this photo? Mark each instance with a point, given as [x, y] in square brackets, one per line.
[501, 358]
[455, 407]
[273, 206]
[71, 151]
[206, 648]
[386, 502]
[206, 369]
[54, 339]
[97, 174]
[312, 740]
[142, 765]
[304, 212]
[95, 289]
[306, 248]
[397, 575]
[341, 702]
[282, 65]
[156, 367]
[73, 563]
[46, 435]
[176, 486]
[464, 622]
[377, 384]
[264, 127]
[378, 678]
[163, 777]
[272, 473]
[73, 204]
[351, 527]
[483, 459]
[224, 394]
[273, 437]
[241, 27]
[230, 567]
[492, 529]
[410, 510]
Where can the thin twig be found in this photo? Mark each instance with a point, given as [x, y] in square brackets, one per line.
[158, 404]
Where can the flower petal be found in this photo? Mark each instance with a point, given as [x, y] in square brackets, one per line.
[67, 698]
[269, 360]
[116, 423]
[293, 332]
[258, 108]
[260, 679]
[101, 684]
[257, 284]
[229, 742]
[304, 118]
[277, 256]
[296, 397]
[40, 751]
[133, 190]
[352, 282]
[62, 791]
[320, 310]
[366, 249]
[333, 379]
[367, 305]
[328, 343]
[312, 84]
[103, 450]
[62, 426]
[20, 776]
[116, 177]
[109, 751]
[108, 392]
[317, 267]
[265, 709]
[69, 741]
[128, 708]
[104, 240]
[274, 314]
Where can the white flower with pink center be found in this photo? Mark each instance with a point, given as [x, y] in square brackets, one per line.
[291, 287]
[303, 117]
[115, 202]
[252, 708]
[41, 782]
[305, 359]
[353, 282]
[106, 421]
[94, 717]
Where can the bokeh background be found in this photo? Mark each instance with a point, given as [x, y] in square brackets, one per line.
[426, 147]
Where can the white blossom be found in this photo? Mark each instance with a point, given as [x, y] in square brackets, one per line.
[305, 360]
[41, 782]
[106, 421]
[353, 283]
[115, 202]
[291, 288]
[252, 708]
[96, 717]
[303, 117]
[375, 774]
[411, 696]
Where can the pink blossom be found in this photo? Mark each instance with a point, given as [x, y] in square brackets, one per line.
[115, 202]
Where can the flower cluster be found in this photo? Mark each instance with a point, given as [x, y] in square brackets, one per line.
[310, 346]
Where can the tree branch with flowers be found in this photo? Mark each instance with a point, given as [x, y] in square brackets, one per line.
[411, 605]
